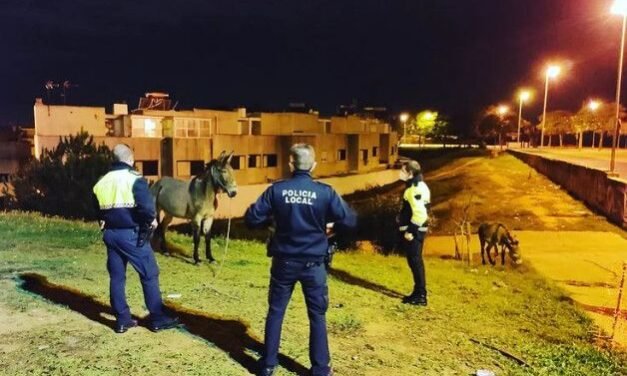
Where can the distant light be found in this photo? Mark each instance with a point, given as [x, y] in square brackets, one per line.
[524, 95]
[620, 7]
[594, 105]
[502, 110]
[429, 116]
[404, 117]
[553, 71]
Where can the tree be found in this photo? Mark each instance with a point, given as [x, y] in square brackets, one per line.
[61, 181]
[495, 125]
[596, 119]
[558, 123]
[441, 128]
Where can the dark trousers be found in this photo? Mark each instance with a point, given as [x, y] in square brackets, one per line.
[122, 249]
[413, 252]
[313, 279]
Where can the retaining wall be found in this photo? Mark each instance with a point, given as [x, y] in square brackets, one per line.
[605, 194]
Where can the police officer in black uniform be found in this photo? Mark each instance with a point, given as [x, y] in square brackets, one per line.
[300, 209]
[127, 213]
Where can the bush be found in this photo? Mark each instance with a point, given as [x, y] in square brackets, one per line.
[61, 181]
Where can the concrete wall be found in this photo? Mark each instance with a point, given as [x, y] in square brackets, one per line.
[289, 123]
[52, 121]
[594, 187]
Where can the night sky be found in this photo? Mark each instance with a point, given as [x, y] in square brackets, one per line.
[456, 56]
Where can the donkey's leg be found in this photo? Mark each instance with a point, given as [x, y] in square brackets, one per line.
[196, 232]
[489, 252]
[482, 251]
[206, 229]
[503, 254]
[165, 222]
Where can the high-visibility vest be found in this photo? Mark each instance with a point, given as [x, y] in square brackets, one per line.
[115, 189]
[418, 196]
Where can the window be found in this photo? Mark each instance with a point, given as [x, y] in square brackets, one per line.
[192, 128]
[341, 155]
[190, 168]
[393, 150]
[236, 162]
[150, 127]
[255, 127]
[254, 161]
[147, 168]
[327, 127]
[364, 155]
[375, 151]
[145, 127]
[270, 160]
[197, 167]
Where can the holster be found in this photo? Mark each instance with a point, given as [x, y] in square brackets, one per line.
[328, 259]
[144, 234]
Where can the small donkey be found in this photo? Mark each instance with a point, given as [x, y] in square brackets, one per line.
[493, 235]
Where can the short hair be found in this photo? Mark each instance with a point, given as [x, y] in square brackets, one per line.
[122, 153]
[303, 156]
[413, 167]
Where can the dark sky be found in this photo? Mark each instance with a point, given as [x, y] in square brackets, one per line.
[453, 55]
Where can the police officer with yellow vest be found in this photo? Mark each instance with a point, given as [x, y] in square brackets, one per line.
[413, 225]
[127, 214]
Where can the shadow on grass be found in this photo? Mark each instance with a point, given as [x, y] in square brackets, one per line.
[357, 281]
[230, 335]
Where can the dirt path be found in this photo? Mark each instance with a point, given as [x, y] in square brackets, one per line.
[587, 265]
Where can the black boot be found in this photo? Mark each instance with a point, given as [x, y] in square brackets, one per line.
[419, 300]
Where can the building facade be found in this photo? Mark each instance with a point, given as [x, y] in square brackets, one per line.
[179, 143]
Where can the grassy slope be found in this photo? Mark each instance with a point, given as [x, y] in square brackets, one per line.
[371, 333]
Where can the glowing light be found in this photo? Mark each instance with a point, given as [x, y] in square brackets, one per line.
[524, 95]
[620, 7]
[553, 71]
[404, 117]
[429, 116]
[502, 110]
[594, 105]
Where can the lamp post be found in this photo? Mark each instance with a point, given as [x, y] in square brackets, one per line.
[523, 96]
[552, 71]
[619, 8]
[404, 117]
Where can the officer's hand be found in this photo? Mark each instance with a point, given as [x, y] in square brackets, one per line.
[329, 228]
[101, 224]
[154, 223]
[408, 236]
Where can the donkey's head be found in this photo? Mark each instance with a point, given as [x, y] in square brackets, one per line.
[221, 174]
[514, 249]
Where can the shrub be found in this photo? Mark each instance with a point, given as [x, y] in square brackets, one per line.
[60, 182]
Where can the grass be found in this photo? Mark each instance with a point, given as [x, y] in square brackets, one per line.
[371, 333]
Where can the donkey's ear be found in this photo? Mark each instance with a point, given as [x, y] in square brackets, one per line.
[221, 156]
[228, 159]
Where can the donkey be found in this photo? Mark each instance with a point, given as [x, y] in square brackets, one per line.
[195, 200]
[493, 235]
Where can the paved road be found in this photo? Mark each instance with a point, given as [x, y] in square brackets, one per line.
[599, 159]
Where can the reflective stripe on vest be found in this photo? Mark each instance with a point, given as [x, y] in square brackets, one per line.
[115, 190]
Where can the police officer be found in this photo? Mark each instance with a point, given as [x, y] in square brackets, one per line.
[413, 226]
[127, 213]
[300, 209]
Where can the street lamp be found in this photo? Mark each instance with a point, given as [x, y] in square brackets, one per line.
[523, 96]
[619, 8]
[552, 71]
[404, 117]
[594, 105]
